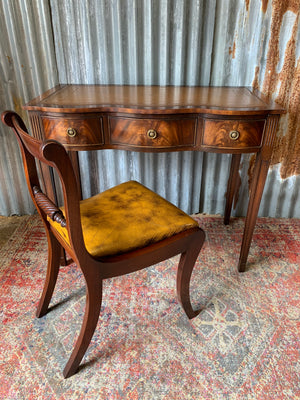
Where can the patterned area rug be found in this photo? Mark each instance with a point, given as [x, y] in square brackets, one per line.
[243, 345]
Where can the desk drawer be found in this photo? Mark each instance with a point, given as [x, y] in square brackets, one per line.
[153, 132]
[231, 134]
[74, 130]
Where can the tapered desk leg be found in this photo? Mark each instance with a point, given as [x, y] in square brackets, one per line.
[232, 185]
[256, 191]
[74, 159]
[257, 186]
[75, 163]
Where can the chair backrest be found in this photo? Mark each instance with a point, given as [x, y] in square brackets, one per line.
[54, 155]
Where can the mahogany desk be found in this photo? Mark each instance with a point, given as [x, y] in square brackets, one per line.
[231, 120]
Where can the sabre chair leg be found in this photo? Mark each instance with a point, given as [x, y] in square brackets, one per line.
[184, 272]
[54, 252]
[91, 316]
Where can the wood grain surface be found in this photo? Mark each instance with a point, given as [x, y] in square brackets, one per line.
[89, 129]
[169, 133]
[217, 133]
[153, 99]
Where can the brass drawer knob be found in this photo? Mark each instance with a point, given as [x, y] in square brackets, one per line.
[152, 134]
[71, 132]
[234, 135]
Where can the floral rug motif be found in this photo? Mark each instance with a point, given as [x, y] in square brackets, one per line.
[243, 345]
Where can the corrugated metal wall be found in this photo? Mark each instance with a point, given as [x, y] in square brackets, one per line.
[27, 67]
[164, 42]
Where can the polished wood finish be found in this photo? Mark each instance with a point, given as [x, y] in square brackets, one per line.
[166, 133]
[232, 120]
[188, 242]
[48, 206]
[232, 185]
[153, 100]
[233, 135]
[256, 188]
[73, 155]
[76, 130]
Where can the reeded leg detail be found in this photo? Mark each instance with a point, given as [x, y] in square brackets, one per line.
[184, 272]
[256, 191]
[91, 316]
[54, 252]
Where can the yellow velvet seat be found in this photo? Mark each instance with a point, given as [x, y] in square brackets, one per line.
[126, 217]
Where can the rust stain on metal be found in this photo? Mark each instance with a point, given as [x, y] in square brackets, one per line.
[264, 5]
[255, 83]
[287, 143]
[18, 102]
[247, 4]
[232, 50]
[279, 8]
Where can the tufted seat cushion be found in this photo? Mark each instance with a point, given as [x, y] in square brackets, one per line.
[126, 217]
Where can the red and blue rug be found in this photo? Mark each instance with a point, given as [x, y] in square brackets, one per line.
[243, 345]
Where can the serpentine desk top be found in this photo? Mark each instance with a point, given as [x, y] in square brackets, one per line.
[154, 99]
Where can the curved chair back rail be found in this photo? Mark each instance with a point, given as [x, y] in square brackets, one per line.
[116, 232]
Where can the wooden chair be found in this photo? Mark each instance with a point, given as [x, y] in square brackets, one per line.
[116, 232]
